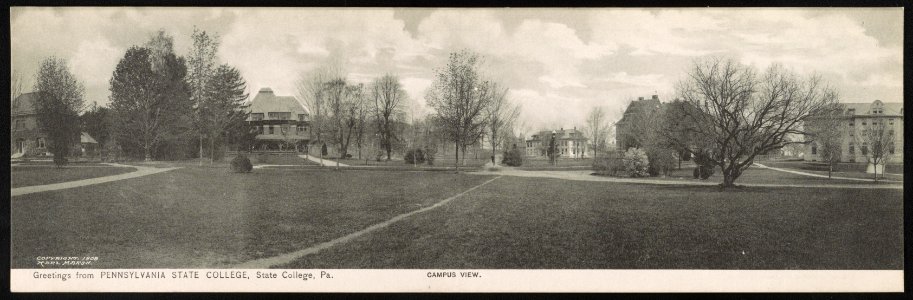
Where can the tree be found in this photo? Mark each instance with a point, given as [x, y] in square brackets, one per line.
[388, 95]
[742, 114]
[96, 121]
[825, 132]
[311, 87]
[501, 114]
[15, 85]
[59, 102]
[877, 142]
[597, 127]
[150, 105]
[201, 68]
[224, 104]
[459, 97]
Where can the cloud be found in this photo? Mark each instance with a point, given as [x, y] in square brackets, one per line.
[558, 62]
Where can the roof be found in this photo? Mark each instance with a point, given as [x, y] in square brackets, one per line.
[863, 108]
[559, 134]
[24, 104]
[85, 138]
[266, 101]
[639, 105]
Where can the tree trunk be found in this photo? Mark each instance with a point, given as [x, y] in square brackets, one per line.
[212, 150]
[730, 174]
[201, 149]
[456, 158]
[148, 156]
[830, 168]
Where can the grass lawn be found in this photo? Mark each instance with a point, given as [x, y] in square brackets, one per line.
[21, 176]
[209, 217]
[757, 175]
[839, 167]
[519, 222]
[535, 163]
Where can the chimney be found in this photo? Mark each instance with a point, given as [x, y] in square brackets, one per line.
[640, 98]
[266, 90]
[655, 97]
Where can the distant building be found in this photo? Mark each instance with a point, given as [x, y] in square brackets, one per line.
[26, 139]
[282, 123]
[569, 143]
[623, 128]
[856, 117]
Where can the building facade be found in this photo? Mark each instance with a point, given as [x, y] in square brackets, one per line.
[570, 143]
[624, 127]
[858, 116]
[281, 122]
[26, 138]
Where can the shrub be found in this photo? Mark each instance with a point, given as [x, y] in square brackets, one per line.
[636, 162]
[512, 158]
[241, 164]
[60, 160]
[661, 161]
[414, 156]
[608, 164]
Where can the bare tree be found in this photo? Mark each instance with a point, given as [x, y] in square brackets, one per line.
[597, 127]
[201, 67]
[743, 114]
[501, 114]
[877, 141]
[15, 85]
[825, 132]
[459, 97]
[311, 88]
[388, 95]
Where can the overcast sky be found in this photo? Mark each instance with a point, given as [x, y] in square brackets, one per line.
[558, 63]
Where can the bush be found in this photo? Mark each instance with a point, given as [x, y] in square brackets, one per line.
[415, 156]
[608, 164]
[60, 160]
[241, 164]
[636, 162]
[512, 158]
[661, 161]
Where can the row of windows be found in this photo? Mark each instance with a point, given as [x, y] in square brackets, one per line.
[277, 116]
[283, 129]
[874, 123]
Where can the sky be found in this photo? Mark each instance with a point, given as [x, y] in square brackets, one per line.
[559, 63]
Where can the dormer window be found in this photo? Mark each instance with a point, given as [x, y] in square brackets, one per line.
[851, 111]
[256, 116]
[302, 117]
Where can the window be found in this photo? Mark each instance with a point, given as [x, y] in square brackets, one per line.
[863, 123]
[280, 115]
[851, 111]
[891, 122]
[852, 149]
[814, 149]
[302, 117]
[284, 129]
[865, 148]
[852, 123]
[260, 129]
[891, 149]
[302, 128]
[256, 116]
[271, 129]
[40, 142]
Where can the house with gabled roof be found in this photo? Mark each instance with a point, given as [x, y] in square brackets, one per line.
[281, 122]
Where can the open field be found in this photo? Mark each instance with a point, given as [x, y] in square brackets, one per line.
[209, 217]
[36, 174]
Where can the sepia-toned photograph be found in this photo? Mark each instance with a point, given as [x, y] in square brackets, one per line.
[455, 147]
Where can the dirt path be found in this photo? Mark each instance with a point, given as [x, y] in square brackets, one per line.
[324, 162]
[140, 171]
[586, 176]
[821, 176]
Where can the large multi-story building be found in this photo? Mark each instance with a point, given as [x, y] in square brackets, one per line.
[281, 122]
[623, 128]
[570, 143]
[857, 116]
